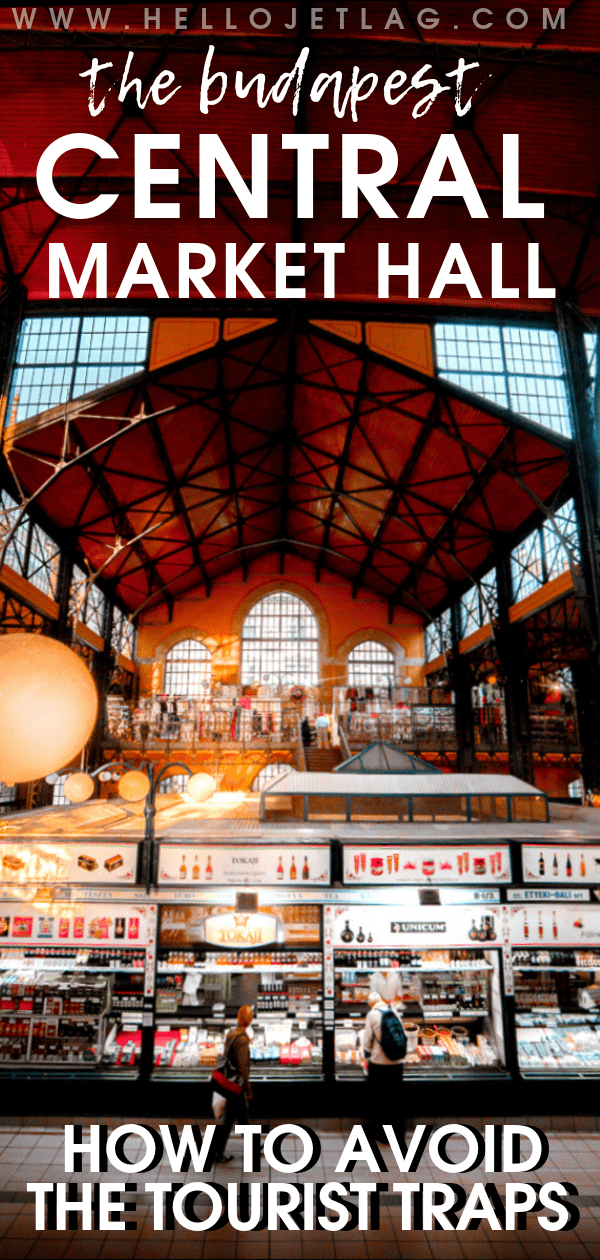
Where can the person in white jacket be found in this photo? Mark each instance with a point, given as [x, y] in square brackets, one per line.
[384, 1076]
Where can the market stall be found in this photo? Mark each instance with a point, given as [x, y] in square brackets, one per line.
[227, 947]
[555, 940]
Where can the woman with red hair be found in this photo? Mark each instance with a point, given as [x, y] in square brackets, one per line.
[237, 1069]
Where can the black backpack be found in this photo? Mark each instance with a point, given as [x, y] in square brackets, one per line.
[392, 1036]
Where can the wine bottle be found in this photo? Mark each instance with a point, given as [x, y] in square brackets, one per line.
[541, 865]
[525, 926]
[582, 867]
[347, 935]
[195, 868]
[293, 871]
[569, 866]
[183, 868]
[209, 869]
[555, 865]
[305, 870]
[280, 868]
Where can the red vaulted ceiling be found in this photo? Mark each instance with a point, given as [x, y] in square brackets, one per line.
[294, 441]
[541, 84]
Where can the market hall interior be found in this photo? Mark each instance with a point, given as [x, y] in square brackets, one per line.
[332, 567]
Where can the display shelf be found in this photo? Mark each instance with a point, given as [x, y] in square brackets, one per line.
[420, 970]
[45, 1015]
[549, 967]
[427, 969]
[42, 965]
[430, 1017]
[243, 969]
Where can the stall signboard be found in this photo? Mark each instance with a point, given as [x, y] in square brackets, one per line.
[67, 862]
[561, 863]
[247, 864]
[32, 923]
[226, 927]
[241, 931]
[425, 927]
[442, 864]
[554, 925]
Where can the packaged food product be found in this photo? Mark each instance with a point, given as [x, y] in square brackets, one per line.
[86, 862]
[113, 863]
[12, 862]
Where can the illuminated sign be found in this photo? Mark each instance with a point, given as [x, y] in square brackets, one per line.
[241, 931]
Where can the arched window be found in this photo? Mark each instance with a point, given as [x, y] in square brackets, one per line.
[187, 669]
[173, 783]
[280, 642]
[270, 772]
[370, 664]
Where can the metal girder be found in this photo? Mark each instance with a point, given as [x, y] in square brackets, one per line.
[352, 422]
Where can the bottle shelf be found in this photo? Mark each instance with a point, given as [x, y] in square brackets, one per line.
[269, 968]
[550, 967]
[426, 968]
[428, 1017]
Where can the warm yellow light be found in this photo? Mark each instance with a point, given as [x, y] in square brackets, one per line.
[200, 787]
[134, 786]
[48, 704]
[78, 788]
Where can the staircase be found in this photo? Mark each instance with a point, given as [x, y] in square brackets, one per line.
[321, 760]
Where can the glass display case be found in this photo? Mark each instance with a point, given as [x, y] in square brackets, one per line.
[198, 995]
[557, 1007]
[71, 1008]
[211, 960]
[449, 1000]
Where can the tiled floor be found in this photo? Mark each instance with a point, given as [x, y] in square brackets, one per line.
[34, 1152]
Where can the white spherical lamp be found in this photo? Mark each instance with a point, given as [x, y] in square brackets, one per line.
[48, 706]
[78, 787]
[134, 786]
[201, 787]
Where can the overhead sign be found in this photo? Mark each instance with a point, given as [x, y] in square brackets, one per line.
[249, 864]
[227, 927]
[555, 925]
[30, 923]
[68, 862]
[426, 927]
[547, 894]
[425, 864]
[561, 863]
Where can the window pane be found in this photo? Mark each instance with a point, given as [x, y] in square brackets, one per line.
[370, 664]
[273, 771]
[518, 367]
[187, 669]
[280, 642]
[58, 359]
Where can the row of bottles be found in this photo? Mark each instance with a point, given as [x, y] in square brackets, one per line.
[540, 925]
[206, 875]
[293, 869]
[485, 930]
[365, 959]
[462, 995]
[578, 959]
[196, 871]
[568, 866]
[71, 957]
[273, 996]
[240, 958]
